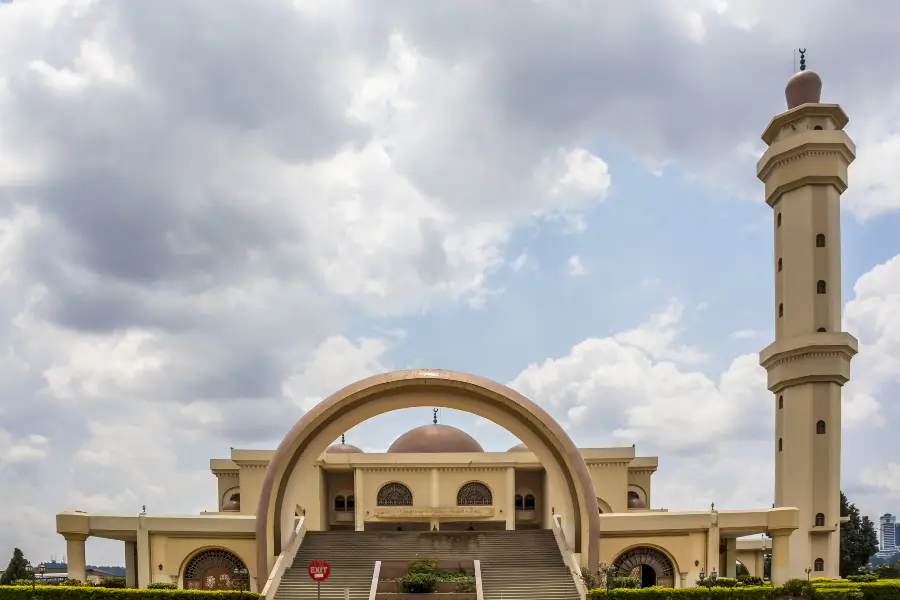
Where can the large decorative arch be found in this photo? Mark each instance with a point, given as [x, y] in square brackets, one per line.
[210, 568]
[447, 389]
[474, 493]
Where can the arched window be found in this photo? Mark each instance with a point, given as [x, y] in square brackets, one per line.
[820, 287]
[817, 128]
[780, 444]
[820, 240]
[820, 330]
[394, 494]
[820, 520]
[780, 401]
[520, 504]
[351, 502]
[529, 502]
[211, 570]
[820, 428]
[819, 565]
[340, 503]
[778, 219]
[474, 493]
[779, 265]
[781, 310]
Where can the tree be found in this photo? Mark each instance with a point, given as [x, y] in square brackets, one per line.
[858, 539]
[16, 568]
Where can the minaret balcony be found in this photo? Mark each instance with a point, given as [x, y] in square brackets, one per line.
[811, 358]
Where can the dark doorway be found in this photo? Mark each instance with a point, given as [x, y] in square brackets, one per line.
[648, 576]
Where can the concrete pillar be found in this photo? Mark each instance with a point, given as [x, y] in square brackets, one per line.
[360, 497]
[712, 549]
[130, 564]
[731, 557]
[509, 498]
[435, 488]
[75, 556]
[143, 554]
[781, 558]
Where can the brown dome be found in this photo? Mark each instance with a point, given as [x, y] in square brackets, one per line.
[435, 438]
[343, 449]
[803, 88]
[636, 502]
[519, 448]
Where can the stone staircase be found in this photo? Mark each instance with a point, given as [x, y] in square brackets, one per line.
[515, 565]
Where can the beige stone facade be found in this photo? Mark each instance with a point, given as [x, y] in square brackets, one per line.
[599, 500]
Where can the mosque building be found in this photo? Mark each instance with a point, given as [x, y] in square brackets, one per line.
[437, 480]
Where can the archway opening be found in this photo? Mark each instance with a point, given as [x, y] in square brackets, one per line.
[211, 569]
[406, 389]
[651, 565]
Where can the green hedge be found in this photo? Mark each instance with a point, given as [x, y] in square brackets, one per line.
[57, 592]
[837, 589]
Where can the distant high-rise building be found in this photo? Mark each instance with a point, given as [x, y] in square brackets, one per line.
[888, 532]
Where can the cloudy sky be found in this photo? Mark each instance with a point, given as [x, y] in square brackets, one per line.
[214, 214]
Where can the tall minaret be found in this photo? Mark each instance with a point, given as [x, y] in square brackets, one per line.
[805, 172]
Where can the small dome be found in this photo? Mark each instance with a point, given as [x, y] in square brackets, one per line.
[435, 438]
[636, 502]
[803, 88]
[343, 449]
[519, 448]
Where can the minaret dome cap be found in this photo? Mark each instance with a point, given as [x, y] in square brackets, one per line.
[804, 87]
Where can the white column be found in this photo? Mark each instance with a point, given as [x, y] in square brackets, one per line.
[75, 559]
[130, 566]
[509, 498]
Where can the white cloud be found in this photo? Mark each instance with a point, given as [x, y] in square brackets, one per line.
[574, 266]
[657, 335]
[744, 334]
[337, 362]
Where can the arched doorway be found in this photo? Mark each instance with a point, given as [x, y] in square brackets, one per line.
[211, 569]
[650, 565]
[406, 389]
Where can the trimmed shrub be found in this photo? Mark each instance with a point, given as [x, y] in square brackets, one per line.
[64, 592]
[418, 583]
[863, 578]
[162, 585]
[691, 593]
[624, 583]
[751, 580]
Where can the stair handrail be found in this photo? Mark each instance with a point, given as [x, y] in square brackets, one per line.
[285, 560]
[568, 556]
[479, 590]
[376, 577]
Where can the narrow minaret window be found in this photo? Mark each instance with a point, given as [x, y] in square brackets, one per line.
[820, 428]
[820, 240]
[779, 265]
[778, 219]
[780, 444]
[780, 401]
[781, 310]
[820, 520]
[820, 287]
